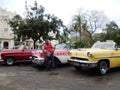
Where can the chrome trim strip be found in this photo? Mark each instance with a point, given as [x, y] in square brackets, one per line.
[107, 57]
[41, 59]
[81, 61]
[1, 60]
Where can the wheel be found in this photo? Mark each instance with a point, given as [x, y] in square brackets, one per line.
[78, 68]
[56, 63]
[102, 67]
[10, 61]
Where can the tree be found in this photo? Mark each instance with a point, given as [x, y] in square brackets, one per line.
[112, 26]
[79, 26]
[112, 33]
[111, 30]
[18, 27]
[96, 20]
[37, 24]
[87, 23]
[65, 35]
[40, 24]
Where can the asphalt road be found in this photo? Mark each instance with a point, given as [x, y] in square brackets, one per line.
[25, 77]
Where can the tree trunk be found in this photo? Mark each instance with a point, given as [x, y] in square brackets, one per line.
[34, 42]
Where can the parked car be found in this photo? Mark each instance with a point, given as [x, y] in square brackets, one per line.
[1, 49]
[102, 56]
[11, 56]
[61, 55]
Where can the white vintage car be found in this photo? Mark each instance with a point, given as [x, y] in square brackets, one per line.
[61, 55]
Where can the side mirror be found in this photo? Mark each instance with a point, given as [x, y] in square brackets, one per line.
[116, 48]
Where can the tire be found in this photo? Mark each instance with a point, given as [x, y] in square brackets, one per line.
[102, 68]
[10, 61]
[78, 68]
[56, 63]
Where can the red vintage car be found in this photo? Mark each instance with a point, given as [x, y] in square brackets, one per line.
[61, 55]
[11, 56]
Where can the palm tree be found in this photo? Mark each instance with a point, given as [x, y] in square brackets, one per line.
[77, 25]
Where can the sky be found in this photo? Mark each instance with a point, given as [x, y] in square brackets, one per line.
[65, 9]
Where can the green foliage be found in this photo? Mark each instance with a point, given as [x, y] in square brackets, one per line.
[36, 25]
[65, 35]
[80, 44]
[112, 26]
[40, 24]
[84, 25]
[18, 27]
[112, 33]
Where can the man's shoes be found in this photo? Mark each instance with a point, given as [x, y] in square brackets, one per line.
[50, 69]
[46, 69]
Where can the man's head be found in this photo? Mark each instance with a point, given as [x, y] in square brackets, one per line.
[47, 42]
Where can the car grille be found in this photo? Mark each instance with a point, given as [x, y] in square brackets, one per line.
[84, 59]
[33, 57]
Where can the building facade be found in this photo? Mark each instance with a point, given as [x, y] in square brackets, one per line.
[6, 34]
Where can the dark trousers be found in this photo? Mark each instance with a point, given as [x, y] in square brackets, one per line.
[49, 62]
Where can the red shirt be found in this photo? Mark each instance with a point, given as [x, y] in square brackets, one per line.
[48, 47]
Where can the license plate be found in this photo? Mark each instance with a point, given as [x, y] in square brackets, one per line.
[84, 65]
[76, 64]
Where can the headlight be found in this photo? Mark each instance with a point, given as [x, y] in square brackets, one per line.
[34, 57]
[89, 54]
[0, 55]
[69, 53]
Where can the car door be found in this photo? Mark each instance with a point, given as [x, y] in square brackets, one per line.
[26, 54]
[114, 58]
[62, 55]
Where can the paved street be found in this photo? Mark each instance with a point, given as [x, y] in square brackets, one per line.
[25, 77]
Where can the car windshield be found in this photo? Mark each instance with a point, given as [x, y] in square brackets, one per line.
[104, 45]
[62, 46]
[21, 47]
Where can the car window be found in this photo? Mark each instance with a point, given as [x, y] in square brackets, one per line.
[62, 46]
[104, 45]
[21, 47]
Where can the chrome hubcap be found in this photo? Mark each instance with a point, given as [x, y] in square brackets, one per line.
[103, 67]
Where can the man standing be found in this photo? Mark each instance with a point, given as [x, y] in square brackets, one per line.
[48, 49]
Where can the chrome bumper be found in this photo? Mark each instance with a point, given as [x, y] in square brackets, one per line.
[81, 63]
[37, 60]
[1, 60]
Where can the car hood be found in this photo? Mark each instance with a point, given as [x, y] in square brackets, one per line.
[37, 52]
[95, 52]
[15, 51]
[10, 50]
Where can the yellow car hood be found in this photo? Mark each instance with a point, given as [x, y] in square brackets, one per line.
[82, 53]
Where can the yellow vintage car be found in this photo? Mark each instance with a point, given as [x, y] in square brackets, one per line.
[102, 56]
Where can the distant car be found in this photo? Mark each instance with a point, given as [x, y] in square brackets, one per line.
[61, 55]
[15, 47]
[102, 55]
[1, 49]
[11, 56]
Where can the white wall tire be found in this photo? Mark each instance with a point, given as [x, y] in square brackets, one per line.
[10, 61]
[102, 67]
